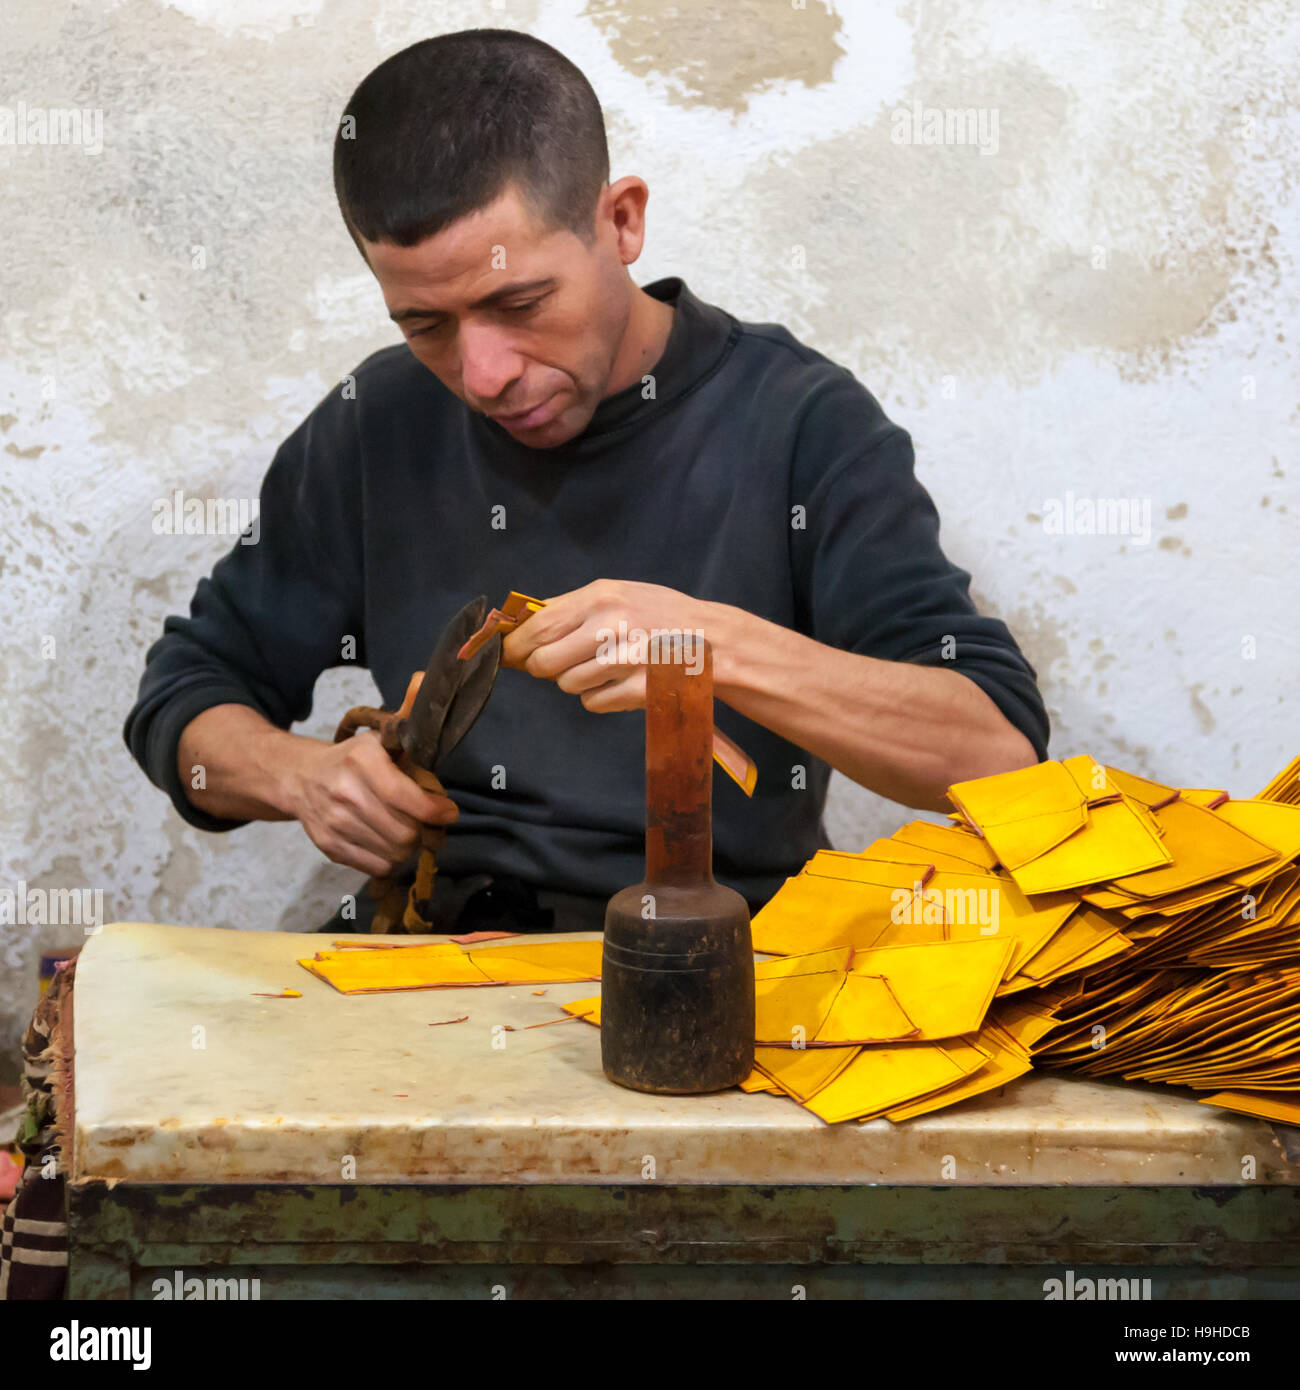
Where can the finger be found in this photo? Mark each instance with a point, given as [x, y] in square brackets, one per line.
[372, 865]
[396, 794]
[427, 808]
[365, 823]
[556, 620]
[345, 839]
[625, 694]
[554, 659]
[368, 787]
[591, 675]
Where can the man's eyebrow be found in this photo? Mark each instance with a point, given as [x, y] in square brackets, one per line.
[486, 302]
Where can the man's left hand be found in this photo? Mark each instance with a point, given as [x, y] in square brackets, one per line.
[593, 641]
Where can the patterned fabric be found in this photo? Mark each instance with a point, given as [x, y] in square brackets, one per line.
[34, 1235]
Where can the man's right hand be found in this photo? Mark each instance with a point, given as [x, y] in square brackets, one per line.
[357, 808]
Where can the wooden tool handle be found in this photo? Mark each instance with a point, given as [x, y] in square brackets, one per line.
[397, 911]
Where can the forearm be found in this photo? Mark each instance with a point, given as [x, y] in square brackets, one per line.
[904, 731]
[235, 764]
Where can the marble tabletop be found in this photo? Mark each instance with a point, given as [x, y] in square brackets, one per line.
[184, 1074]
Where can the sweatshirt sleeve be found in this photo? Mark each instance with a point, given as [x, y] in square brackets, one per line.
[871, 575]
[272, 615]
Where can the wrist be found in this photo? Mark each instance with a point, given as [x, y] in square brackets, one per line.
[756, 661]
[729, 632]
[286, 760]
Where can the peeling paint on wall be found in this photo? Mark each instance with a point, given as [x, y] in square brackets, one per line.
[721, 54]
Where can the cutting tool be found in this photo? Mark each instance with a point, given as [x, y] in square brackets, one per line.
[439, 708]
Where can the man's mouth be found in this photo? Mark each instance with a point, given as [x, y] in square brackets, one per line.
[527, 419]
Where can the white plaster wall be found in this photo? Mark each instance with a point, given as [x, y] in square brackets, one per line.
[1103, 307]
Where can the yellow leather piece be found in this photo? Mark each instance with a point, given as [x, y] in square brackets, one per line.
[1070, 953]
[834, 958]
[580, 959]
[1273, 823]
[1103, 951]
[865, 1010]
[520, 970]
[1209, 797]
[897, 852]
[812, 913]
[972, 905]
[381, 943]
[801, 1074]
[1112, 900]
[438, 966]
[1006, 1062]
[1285, 786]
[790, 1009]
[1082, 933]
[917, 929]
[430, 948]
[1281, 1107]
[1175, 904]
[944, 988]
[1025, 813]
[1143, 789]
[1205, 846]
[374, 972]
[1024, 1022]
[901, 876]
[880, 1078]
[945, 839]
[1120, 838]
[589, 1006]
[1057, 826]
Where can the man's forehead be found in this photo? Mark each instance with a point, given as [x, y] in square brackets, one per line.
[503, 239]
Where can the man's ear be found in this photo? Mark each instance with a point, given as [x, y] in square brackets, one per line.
[622, 207]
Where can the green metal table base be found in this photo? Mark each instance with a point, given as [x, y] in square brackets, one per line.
[650, 1240]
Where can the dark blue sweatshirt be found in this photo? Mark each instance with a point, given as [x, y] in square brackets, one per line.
[760, 474]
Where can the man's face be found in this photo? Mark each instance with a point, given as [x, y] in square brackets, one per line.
[522, 323]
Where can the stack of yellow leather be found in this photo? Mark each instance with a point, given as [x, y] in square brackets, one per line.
[1209, 995]
[896, 1030]
[1153, 933]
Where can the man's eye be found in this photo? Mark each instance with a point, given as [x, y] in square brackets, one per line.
[524, 308]
[420, 332]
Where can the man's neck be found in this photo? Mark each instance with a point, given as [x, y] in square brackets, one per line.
[644, 341]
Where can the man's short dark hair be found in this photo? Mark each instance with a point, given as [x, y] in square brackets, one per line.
[441, 129]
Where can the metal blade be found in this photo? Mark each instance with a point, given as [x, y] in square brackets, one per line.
[420, 732]
[467, 704]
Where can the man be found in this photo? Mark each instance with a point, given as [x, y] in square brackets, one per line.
[630, 455]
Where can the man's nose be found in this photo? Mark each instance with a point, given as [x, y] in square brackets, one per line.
[488, 364]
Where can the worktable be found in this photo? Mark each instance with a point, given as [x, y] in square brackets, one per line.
[340, 1146]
